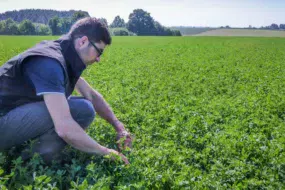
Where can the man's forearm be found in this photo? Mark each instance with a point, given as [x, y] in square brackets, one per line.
[104, 110]
[79, 139]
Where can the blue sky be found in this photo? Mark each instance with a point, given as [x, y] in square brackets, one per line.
[236, 13]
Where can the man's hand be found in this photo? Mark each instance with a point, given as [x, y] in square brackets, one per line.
[115, 155]
[123, 138]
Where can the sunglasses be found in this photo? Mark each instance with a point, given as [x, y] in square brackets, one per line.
[100, 51]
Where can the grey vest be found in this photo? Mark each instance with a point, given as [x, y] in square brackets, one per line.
[13, 86]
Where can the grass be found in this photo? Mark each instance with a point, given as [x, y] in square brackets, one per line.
[207, 113]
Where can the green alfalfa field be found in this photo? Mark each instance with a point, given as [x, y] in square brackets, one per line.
[206, 113]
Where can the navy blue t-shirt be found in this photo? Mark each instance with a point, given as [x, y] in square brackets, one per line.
[45, 74]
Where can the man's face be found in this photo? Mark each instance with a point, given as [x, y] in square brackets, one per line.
[89, 51]
[96, 49]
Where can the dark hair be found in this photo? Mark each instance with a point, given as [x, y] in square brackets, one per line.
[93, 28]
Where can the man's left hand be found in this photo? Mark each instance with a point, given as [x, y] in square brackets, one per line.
[123, 139]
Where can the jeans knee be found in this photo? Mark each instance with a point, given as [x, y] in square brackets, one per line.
[88, 111]
[84, 112]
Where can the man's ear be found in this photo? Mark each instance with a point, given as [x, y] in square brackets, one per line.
[83, 41]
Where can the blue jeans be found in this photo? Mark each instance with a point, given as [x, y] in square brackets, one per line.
[33, 122]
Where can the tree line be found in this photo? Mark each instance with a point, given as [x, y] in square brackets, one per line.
[274, 27]
[36, 15]
[140, 23]
[270, 27]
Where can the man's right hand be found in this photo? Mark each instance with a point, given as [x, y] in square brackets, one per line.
[114, 154]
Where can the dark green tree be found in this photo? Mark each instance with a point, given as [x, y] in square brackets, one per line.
[164, 31]
[66, 24]
[118, 23]
[55, 25]
[274, 26]
[141, 23]
[43, 30]
[2, 27]
[26, 27]
[78, 15]
[282, 26]
[176, 33]
[11, 27]
[159, 29]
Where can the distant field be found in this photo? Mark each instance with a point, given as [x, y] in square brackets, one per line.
[206, 113]
[243, 32]
[187, 31]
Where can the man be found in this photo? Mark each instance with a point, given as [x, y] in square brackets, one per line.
[36, 101]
